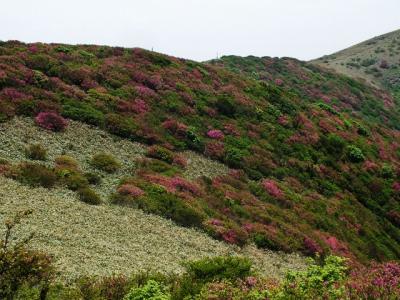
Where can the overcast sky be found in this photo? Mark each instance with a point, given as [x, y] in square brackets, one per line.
[199, 29]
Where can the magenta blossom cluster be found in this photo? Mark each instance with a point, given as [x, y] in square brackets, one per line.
[272, 188]
[51, 121]
[215, 134]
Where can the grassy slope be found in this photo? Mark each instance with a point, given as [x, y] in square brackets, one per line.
[107, 239]
[353, 61]
[296, 133]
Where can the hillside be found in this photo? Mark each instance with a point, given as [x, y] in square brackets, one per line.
[377, 61]
[106, 239]
[308, 159]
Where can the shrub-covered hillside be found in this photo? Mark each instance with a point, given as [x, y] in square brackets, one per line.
[315, 168]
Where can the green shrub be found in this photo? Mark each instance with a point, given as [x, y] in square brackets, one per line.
[89, 196]
[170, 206]
[21, 267]
[66, 162]
[219, 268]
[83, 112]
[355, 154]
[93, 178]
[333, 144]
[75, 181]
[234, 157]
[324, 281]
[105, 162]
[160, 153]
[151, 291]
[36, 175]
[120, 126]
[36, 152]
[226, 105]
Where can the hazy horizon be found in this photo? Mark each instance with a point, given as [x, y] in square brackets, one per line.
[201, 30]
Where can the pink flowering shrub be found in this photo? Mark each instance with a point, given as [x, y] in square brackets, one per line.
[272, 188]
[178, 129]
[279, 81]
[51, 121]
[180, 160]
[214, 150]
[130, 190]
[396, 187]
[379, 281]
[311, 247]
[215, 134]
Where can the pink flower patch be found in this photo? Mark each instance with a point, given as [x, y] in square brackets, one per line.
[272, 188]
[51, 121]
[215, 134]
[130, 190]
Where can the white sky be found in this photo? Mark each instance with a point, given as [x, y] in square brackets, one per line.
[199, 29]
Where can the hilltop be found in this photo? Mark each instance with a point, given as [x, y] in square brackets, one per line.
[273, 152]
[377, 61]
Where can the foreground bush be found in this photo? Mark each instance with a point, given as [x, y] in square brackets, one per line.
[20, 267]
[151, 291]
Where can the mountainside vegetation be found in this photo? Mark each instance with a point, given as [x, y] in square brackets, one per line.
[313, 156]
[377, 61]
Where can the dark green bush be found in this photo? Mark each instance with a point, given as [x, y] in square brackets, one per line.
[120, 126]
[234, 157]
[89, 196]
[36, 175]
[355, 154]
[36, 152]
[226, 105]
[76, 181]
[93, 178]
[83, 112]
[333, 144]
[105, 162]
[219, 268]
[170, 206]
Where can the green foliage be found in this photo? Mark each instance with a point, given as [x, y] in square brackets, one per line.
[151, 291]
[83, 112]
[219, 268]
[105, 162]
[355, 154]
[19, 266]
[92, 178]
[226, 105]
[317, 282]
[234, 157]
[89, 196]
[170, 206]
[161, 153]
[36, 152]
[327, 107]
[118, 125]
[36, 175]
[75, 180]
[333, 144]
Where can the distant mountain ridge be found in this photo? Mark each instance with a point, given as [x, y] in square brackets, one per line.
[377, 61]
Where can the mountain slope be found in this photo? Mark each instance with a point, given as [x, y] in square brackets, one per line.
[310, 149]
[377, 61]
[107, 239]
